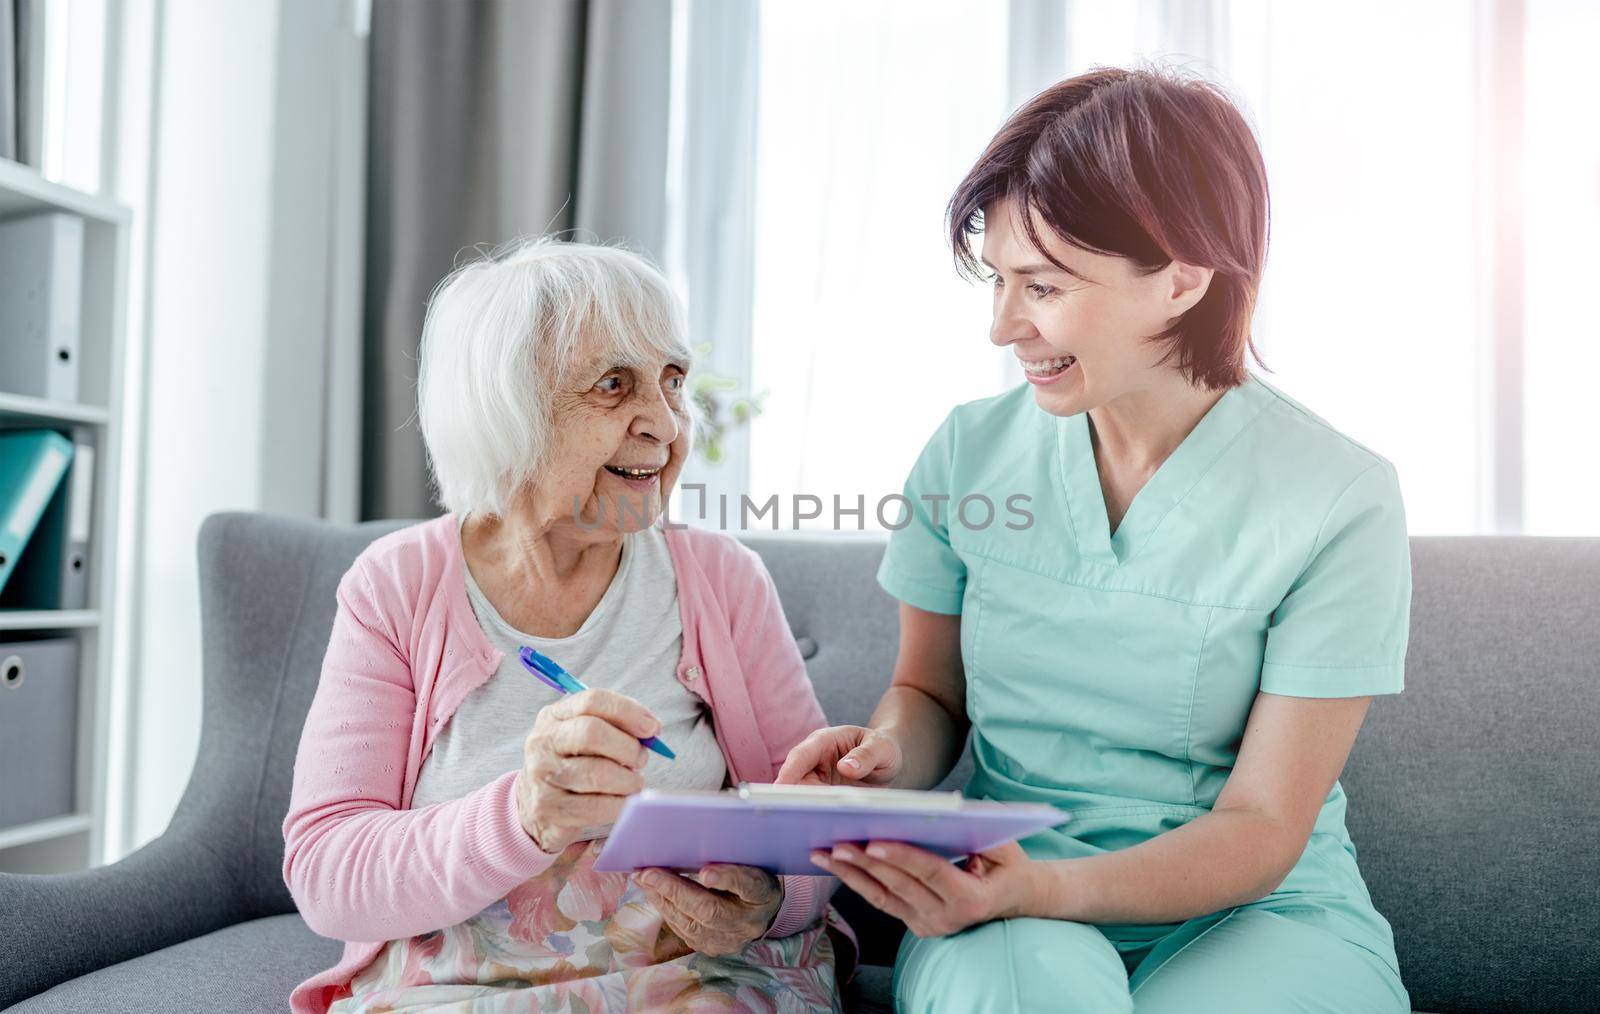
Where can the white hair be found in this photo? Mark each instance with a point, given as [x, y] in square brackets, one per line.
[503, 331]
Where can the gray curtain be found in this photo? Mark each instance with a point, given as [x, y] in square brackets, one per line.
[8, 80]
[22, 81]
[489, 121]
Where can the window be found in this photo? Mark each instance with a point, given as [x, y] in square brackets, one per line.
[1429, 237]
[1370, 303]
[1561, 188]
[75, 68]
[864, 337]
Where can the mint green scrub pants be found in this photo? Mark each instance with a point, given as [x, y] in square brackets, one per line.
[1242, 961]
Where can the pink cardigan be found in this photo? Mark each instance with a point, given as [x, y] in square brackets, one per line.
[405, 650]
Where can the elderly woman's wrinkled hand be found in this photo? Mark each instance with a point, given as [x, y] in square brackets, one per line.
[735, 906]
[580, 762]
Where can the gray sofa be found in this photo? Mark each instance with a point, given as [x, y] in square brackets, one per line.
[1475, 796]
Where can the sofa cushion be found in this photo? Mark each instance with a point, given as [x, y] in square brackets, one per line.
[248, 967]
[869, 992]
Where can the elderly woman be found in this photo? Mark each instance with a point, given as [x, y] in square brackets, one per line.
[1181, 646]
[448, 807]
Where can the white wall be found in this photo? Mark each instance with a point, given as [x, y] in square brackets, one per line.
[246, 233]
[206, 342]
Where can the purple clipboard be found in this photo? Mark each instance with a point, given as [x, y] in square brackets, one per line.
[686, 830]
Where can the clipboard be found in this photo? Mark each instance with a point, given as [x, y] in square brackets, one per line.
[776, 827]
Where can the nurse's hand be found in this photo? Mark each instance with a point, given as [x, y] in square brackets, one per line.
[842, 755]
[735, 906]
[931, 895]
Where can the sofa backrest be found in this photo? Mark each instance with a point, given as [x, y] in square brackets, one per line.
[267, 604]
[1474, 796]
[846, 627]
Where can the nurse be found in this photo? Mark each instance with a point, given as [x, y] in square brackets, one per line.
[1175, 640]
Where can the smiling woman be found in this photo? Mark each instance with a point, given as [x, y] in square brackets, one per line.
[1181, 651]
[546, 328]
[1091, 199]
[448, 805]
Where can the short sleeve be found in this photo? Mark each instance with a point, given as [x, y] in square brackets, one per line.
[920, 567]
[1342, 629]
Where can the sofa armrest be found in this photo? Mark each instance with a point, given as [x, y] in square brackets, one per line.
[61, 926]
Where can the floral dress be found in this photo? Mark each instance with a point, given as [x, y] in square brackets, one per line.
[575, 940]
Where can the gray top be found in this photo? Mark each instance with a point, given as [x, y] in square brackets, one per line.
[630, 643]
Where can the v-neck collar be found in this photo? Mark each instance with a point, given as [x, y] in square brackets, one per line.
[1172, 481]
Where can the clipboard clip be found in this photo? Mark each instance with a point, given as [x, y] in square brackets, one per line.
[850, 795]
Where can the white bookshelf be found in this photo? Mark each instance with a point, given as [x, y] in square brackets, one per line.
[77, 840]
[25, 410]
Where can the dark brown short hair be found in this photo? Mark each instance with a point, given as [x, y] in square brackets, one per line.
[1143, 164]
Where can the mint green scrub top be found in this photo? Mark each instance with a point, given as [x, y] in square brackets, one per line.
[1110, 674]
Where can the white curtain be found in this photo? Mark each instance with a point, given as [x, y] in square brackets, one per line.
[711, 175]
[1369, 307]
[863, 336]
[1561, 216]
[1416, 296]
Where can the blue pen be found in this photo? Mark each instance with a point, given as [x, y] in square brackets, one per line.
[549, 672]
